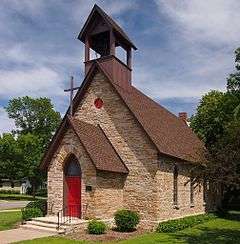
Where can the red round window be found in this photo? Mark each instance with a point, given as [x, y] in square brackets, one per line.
[98, 103]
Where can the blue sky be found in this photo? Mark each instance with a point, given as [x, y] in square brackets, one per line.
[185, 48]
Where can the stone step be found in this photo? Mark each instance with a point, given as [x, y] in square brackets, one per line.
[42, 228]
[40, 223]
[54, 220]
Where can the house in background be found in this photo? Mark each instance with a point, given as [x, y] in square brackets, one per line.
[18, 186]
[117, 148]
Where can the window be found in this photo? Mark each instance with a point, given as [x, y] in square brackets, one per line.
[191, 191]
[72, 167]
[175, 186]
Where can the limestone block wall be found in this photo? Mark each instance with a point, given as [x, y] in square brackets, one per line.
[164, 177]
[129, 140]
[107, 191]
[69, 144]
[108, 196]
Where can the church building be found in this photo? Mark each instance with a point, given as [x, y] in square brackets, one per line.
[116, 148]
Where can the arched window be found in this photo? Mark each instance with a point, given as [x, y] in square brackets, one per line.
[175, 185]
[72, 167]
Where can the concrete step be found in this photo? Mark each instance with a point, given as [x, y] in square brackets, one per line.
[42, 228]
[54, 220]
[40, 223]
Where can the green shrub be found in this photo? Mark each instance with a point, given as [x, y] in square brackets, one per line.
[41, 192]
[126, 220]
[29, 213]
[96, 227]
[16, 197]
[9, 191]
[40, 203]
[180, 224]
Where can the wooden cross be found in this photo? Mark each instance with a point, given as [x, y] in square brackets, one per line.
[71, 89]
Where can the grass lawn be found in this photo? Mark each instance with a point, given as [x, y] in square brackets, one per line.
[215, 231]
[8, 220]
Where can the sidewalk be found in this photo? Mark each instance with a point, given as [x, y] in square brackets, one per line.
[14, 235]
[4, 204]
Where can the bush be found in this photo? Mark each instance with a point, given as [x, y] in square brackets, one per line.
[29, 213]
[16, 197]
[41, 193]
[126, 220]
[9, 191]
[180, 224]
[96, 227]
[40, 204]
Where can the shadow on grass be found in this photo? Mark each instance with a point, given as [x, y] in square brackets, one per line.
[205, 234]
[232, 215]
[208, 235]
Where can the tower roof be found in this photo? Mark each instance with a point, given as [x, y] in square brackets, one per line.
[109, 21]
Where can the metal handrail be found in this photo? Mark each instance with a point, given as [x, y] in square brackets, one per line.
[66, 214]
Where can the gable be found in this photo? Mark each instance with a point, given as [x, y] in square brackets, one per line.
[169, 134]
[94, 141]
[166, 131]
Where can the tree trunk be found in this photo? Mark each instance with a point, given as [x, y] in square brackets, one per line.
[34, 188]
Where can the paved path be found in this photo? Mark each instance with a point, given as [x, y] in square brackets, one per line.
[12, 204]
[9, 210]
[14, 235]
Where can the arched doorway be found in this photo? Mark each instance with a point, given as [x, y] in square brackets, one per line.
[72, 187]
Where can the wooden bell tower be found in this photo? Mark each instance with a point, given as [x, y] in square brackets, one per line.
[102, 35]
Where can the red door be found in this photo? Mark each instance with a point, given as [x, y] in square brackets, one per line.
[73, 196]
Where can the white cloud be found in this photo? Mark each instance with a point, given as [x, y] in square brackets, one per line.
[213, 21]
[41, 81]
[26, 6]
[199, 55]
[6, 124]
[112, 7]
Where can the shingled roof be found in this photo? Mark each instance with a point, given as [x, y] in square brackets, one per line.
[109, 21]
[169, 133]
[95, 142]
[98, 147]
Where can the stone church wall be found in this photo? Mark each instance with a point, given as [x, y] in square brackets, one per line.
[94, 203]
[148, 188]
[129, 140]
[166, 208]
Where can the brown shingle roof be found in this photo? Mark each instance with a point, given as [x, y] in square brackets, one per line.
[169, 133]
[98, 147]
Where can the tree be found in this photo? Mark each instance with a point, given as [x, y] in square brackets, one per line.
[217, 122]
[214, 112]
[35, 116]
[217, 109]
[10, 158]
[233, 82]
[36, 121]
[31, 150]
